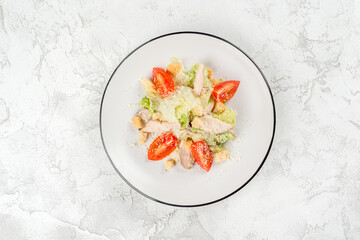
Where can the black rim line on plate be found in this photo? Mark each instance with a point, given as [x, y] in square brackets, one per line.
[266, 155]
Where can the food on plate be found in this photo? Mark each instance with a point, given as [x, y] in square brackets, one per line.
[163, 81]
[225, 90]
[186, 113]
[211, 124]
[219, 108]
[156, 116]
[221, 156]
[186, 159]
[143, 137]
[162, 146]
[138, 122]
[169, 164]
[202, 154]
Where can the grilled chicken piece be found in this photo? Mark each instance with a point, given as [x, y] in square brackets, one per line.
[144, 114]
[186, 159]
[209, 107]
[210, 124]
[199, 80]
[204, 90]
[159, 127]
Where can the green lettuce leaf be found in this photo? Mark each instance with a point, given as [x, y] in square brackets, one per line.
[228, 116]
[204, 98]
[192, 74]
[224, 137]
[182, 114]
[147, 103]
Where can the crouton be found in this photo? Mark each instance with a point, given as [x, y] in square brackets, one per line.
[198, 111]
[174, 69]
[213, 81]
[221, 156]
[138, 122]
[210, 72]
[169, 164]
[219, 108]
[156, 116]
[148, 85]
[197, 123]
[143, 137]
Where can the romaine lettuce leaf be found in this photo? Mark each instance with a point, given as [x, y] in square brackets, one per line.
[205, 98]
[224, 137]
[182, 114]
[183, 97]
[176, 60]
[192, 74]
[216, 149]
[228, 116]
[147, 103]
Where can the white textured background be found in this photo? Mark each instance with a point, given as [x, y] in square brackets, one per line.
[55, 179]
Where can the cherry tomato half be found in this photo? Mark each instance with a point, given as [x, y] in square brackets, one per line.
[202, 154]
[225, 90]
[162, 146]
[163, 81]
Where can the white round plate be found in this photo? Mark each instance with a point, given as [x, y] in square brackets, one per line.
[254, 127]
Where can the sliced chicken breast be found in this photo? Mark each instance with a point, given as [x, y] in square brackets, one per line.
[159, 127]
[144, 114]
[209, 107]
[204, 90]
[211, 125]
[186, 159]
[199, 80]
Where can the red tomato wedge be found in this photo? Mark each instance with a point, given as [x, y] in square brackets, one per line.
[163, 81]
[202, 154]
[225, 90]
[162, 146]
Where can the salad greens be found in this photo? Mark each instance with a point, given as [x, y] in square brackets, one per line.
[228, 116]
[179, 107]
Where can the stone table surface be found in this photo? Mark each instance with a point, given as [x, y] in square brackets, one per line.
[55, 60]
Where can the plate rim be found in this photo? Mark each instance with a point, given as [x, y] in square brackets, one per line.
[236, 190]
